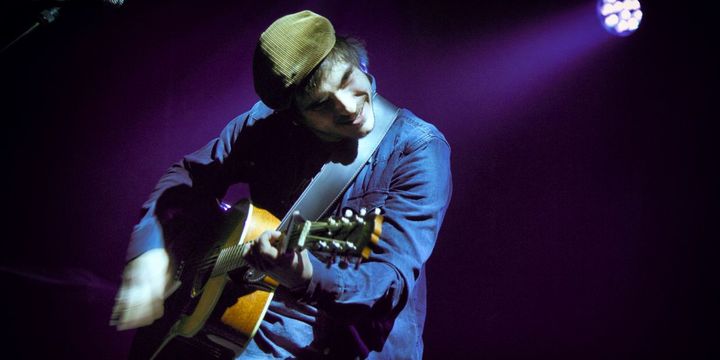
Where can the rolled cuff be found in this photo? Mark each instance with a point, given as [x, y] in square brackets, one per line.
[146, 235]
[324, 282]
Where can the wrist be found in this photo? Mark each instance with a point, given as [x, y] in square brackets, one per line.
[297, 277]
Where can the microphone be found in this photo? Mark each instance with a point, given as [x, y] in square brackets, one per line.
[117, 3]
[51, 12]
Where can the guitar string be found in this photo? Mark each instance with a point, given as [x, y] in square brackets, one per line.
[234, 259]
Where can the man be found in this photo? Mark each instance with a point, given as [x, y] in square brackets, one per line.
[317, 102]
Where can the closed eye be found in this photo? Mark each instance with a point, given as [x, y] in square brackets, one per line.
[318, 105]
[346, 79]
[346, 76]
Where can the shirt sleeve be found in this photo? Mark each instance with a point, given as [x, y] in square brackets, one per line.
[414, 207]
[206, 173]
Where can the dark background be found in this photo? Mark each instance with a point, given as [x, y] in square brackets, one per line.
[580, 225]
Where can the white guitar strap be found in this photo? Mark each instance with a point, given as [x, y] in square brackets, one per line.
[334, 177]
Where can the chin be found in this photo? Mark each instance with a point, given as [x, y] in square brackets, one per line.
[361, 135]
[367, 127]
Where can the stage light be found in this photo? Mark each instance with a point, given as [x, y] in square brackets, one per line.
[620, 17]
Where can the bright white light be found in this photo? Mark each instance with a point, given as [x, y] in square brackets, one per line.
[622, 26]
[619, 17]
[607, 9]
[633, 24]
[612, 20]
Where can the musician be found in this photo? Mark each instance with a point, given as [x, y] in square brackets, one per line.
[317, 101]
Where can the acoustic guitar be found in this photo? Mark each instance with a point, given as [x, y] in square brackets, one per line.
[219, 301]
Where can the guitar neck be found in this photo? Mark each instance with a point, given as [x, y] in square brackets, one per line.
[323, 236]
[232, 257]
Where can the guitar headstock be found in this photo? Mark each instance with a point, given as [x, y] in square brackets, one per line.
[350, 236]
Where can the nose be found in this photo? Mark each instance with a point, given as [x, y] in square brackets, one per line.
[346, 103]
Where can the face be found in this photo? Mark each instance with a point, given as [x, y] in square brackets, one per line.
[341, 106]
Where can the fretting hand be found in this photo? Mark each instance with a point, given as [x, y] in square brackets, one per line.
[293, 270]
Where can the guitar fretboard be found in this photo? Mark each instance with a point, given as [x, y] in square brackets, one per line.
[230, 258]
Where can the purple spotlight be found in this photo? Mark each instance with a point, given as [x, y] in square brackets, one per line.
[620, 17]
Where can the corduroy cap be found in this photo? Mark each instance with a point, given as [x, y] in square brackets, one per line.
[287, 52]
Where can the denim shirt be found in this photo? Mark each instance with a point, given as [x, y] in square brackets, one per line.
[376, 311]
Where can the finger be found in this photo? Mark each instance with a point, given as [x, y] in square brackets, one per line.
[119, 308]
[129, 318]
[253, 256]
[132, 310]
[138, 308]
[171, 288]
[265, 248]
[275, 237]
[137, 315]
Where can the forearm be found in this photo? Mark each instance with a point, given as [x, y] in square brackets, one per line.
[374, 288]
[189, 188]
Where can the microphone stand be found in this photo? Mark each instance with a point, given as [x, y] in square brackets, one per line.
[52, 11]
[46, 16]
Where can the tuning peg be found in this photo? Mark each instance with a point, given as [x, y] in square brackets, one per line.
[363, 211]
[332, 225]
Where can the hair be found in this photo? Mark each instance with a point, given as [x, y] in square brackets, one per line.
[346, 49]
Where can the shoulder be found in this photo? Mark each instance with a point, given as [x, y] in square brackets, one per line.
[413, 133]
[258, 112]
[261, 120]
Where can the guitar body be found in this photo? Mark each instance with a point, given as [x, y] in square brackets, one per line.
[211, 316]
[219, 301]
